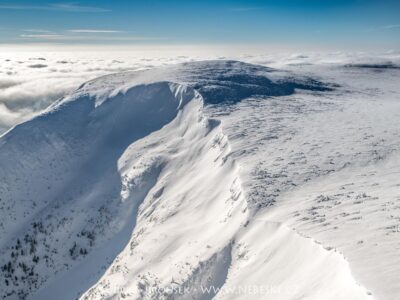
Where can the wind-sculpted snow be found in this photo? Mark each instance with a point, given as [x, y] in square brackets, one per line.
[232, 81]
[324, 165]
[133, 187]
[221, 81]
[60, 180]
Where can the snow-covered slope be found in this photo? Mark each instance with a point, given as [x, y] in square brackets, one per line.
[61, 186]
[326, 166]
[160, 183]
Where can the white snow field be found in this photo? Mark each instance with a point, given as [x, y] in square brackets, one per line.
[208, 180]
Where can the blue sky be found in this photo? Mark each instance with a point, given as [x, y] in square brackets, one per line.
[314, 22]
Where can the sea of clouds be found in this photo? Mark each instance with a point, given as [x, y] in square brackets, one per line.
[31, 81]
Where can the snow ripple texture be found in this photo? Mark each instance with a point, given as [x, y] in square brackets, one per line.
[136, 186]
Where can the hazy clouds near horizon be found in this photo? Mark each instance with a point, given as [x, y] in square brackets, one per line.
[30, 82]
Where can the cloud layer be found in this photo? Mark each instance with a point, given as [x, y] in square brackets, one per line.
[67, 7]
[31, 81]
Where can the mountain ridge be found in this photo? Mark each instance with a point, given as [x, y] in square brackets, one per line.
[129, 176]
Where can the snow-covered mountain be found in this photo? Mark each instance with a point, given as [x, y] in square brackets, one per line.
[207, 180]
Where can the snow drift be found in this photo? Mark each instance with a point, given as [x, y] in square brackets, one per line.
[126, 188]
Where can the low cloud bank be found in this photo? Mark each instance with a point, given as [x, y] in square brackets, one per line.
[29, 84]
[31, 81]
